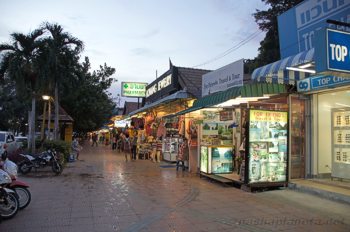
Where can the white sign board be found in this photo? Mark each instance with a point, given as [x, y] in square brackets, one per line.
[223, 78]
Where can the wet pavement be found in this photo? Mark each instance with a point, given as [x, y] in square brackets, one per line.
[102, 192]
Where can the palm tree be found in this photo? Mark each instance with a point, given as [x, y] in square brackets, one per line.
[60, 46]
[19, 62]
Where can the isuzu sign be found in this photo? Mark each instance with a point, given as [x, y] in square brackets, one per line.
[338, 50]
[133, 89]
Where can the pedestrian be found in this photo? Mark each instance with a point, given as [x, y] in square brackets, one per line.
[94, 139]
[120, 143]
[180, 158]
[159, 148]
[75, 148]
[127, 149]
[134, 145]
[154, 150]
[115, 140]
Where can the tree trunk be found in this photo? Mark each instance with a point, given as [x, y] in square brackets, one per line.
[33, 125]
[29, 145]
[43, 122]
[56, 136]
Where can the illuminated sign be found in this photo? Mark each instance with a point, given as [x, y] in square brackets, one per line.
[133, 89]
[338, 48]
[319, 82]
[161, 84]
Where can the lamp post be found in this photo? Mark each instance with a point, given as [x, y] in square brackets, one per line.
[48, 99]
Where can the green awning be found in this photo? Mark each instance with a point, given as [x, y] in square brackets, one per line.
[259, 89]
[248, 90]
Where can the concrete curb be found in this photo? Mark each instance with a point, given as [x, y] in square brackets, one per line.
[320, 192]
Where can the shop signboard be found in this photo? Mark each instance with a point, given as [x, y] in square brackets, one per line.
[159, 85]
[321, 82]
[133, 89]
[297, 26]
[215, 133]
[223, 78]
[268, 146]
[226, 115]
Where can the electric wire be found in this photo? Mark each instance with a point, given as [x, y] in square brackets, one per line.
[232, 49]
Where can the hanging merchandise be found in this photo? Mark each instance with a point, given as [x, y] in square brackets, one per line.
[161, 132]
[182, 125]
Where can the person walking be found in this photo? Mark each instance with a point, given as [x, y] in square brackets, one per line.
[180, 158]
[75, 148]
[159, 149]
[134, 145]
[94, 139]
[127, 149]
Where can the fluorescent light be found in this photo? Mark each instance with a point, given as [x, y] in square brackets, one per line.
[306, 65]
[340, 104]
[301, 70]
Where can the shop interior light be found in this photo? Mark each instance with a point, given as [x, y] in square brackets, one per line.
[301, 70]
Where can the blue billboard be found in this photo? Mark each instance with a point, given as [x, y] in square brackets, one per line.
[297, 26]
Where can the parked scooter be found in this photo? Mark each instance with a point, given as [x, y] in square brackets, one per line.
[44, 159]
[9, 204]
[19, 187]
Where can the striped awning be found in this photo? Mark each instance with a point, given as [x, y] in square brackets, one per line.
[276, 72]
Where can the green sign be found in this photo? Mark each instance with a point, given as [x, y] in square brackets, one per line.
[134, 89]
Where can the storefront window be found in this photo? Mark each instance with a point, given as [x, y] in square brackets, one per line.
[332, 111]
[297, 138]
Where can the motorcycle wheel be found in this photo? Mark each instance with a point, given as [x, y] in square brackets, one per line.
[10, 207]
[57, 168]
[24, 196]
[24, 168]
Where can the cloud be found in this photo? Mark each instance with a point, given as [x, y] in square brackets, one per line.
[140, 51]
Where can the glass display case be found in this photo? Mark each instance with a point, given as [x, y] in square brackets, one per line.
[170, 148]
[216, 159]
[267, 146]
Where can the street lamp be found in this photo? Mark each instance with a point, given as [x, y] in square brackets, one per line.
[48, 99]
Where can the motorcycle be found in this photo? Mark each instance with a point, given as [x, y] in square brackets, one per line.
[9, 204]
[21, 188]
[44, 159]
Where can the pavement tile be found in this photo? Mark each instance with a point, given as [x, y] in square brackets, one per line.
[104, 193]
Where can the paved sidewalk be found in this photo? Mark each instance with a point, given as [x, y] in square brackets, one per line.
[104, 193]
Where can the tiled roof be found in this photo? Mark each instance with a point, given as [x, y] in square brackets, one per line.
[131, 106]
[191, 79]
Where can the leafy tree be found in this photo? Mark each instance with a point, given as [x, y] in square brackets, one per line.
[269, 50]
[60, 46]
[19, 62]
[86, 99]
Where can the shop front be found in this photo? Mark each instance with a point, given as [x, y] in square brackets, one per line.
[172, 92]
[320, 70]
[243, 134]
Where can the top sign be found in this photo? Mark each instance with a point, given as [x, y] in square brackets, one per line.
[338, 51]
[133, 89]
[223, 78]
[161, 84]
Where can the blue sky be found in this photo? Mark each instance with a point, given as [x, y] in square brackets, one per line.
[137, 37]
